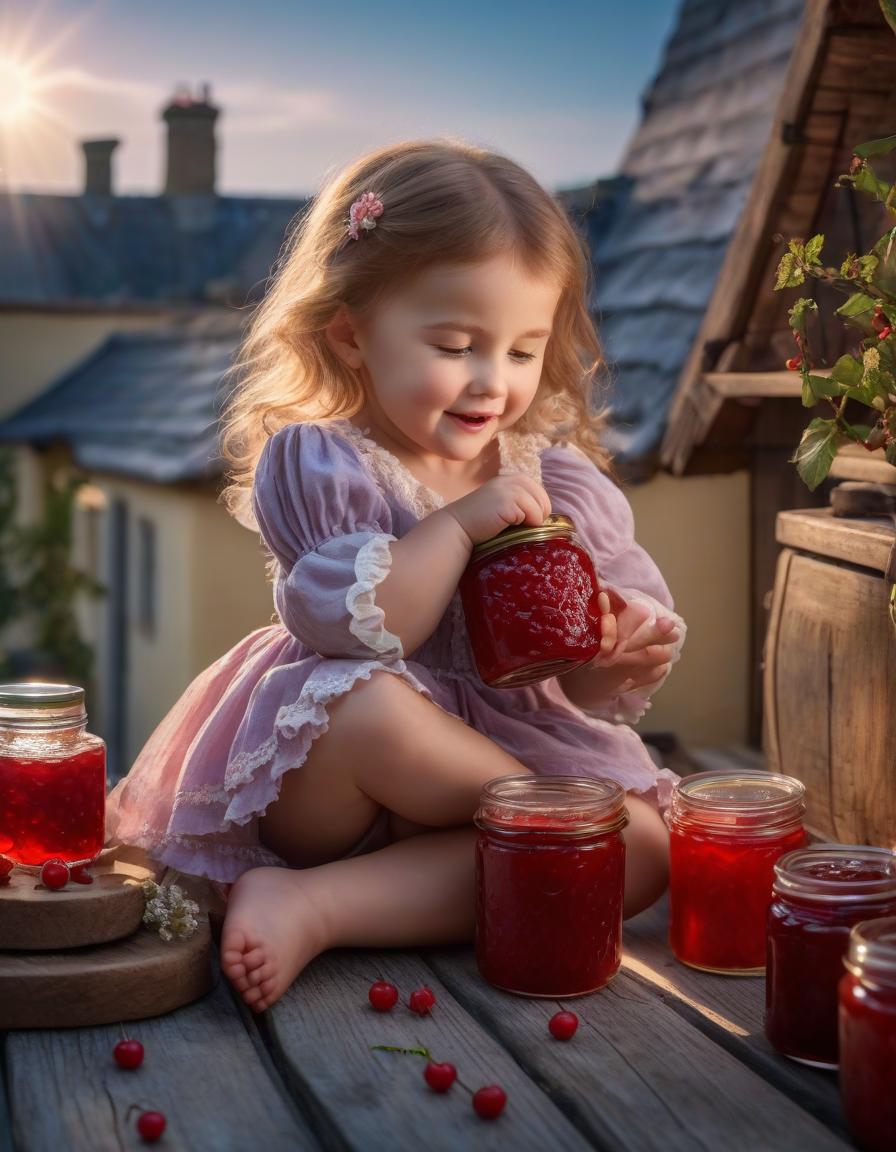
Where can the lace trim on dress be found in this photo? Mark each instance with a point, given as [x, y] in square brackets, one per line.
[373, 563]
[518, 452]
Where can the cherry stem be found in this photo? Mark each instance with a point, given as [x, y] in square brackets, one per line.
[396, 1048]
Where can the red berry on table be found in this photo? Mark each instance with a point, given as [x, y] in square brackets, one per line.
[54, 873]
[128, 1053]
[382, 995]
[563, 1025]
[421, 1000]
[794, 363]
[6, 866]
[151, 1125]
[80, 874]
[440, 1077]
[489, 1101]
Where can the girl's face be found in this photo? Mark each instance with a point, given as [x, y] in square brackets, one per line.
[459, 339]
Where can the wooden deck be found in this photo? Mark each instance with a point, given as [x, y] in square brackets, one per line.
[665, 1059]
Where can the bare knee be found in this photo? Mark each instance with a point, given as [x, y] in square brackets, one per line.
[646, 856]
[376, 708]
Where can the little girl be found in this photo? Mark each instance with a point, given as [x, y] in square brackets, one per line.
[418, 377]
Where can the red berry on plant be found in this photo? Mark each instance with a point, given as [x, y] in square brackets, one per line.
[151, 1125]
[128, 1053]
[794, 363]
[54, 873]
[382, 995]
[563, 1025]
[80, 874]
[421, 1000]
[489, 1101]
[439, 1077]
[884, 332]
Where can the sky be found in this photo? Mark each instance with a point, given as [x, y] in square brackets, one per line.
[306, 86]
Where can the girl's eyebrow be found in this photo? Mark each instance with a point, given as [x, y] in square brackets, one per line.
[533, 333]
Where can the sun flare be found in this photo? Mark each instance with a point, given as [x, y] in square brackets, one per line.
[16, 90]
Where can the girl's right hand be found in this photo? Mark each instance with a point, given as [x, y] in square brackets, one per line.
[511, 499]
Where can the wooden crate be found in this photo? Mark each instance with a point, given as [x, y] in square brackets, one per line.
[830, 673]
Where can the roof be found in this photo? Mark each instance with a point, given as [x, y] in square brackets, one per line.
[116, 251]
[659, 231]
[144, 404]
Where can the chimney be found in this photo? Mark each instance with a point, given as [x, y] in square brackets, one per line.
[98, 166]
[191, 143]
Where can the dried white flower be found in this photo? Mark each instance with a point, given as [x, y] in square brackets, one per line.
[169, 910]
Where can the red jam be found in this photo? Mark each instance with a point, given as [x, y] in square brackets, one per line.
[52, 776]
[727, 830]
[819, 894]
[868, 1034]
[550, 874]
[530, 599]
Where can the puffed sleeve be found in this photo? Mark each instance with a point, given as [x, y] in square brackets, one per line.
[325, 520]
[604, 521]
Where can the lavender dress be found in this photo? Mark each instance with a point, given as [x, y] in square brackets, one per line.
[328, 500]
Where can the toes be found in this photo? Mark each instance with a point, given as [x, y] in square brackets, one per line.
[259, 975]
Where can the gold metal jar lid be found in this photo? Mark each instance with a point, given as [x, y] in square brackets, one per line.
[554, 525]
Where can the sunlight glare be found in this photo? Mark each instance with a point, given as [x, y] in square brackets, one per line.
[15, 90]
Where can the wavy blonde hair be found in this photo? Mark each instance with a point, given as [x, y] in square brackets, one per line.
[446, 202]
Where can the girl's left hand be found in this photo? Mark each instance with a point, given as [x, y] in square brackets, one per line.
[626, 661]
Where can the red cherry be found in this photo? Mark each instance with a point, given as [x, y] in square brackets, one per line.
[884, 332]
[6, 866]
[440, 1077]
[794, 363]
[128, 1053]
[151, 1125]
[80, 874]
[489, 1101]
[563, 1025]
[382, 995]
[421, 1000]
[54, 873]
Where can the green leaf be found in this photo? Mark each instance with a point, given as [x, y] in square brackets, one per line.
[816, 452]
[885, 273]
[847, 371]
[797, 314]
[826, 386]
[866, 181]
[813, 249]
[808, 396]
[867, 265]
[797, 249]
[861, 430]
[858, 309]
[787, 272]
[888, 7]
[876, 147]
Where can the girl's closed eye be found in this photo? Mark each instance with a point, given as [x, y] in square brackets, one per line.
[524, 356]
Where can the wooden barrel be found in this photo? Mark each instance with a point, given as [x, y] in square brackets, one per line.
[830, 673]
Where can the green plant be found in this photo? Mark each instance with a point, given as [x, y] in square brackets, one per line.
[37, 578]
[867, 375]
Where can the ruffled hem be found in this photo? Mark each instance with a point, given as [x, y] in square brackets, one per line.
[372, 565]
[211, 859]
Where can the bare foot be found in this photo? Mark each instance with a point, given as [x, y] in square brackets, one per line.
[272, 929]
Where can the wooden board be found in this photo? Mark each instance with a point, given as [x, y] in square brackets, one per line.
[125, 980]
[35, 918]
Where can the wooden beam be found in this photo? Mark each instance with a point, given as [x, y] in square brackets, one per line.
[748, 249]
[855, 463]
[733, 385]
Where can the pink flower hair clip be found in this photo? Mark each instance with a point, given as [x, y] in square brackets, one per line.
[363, 214]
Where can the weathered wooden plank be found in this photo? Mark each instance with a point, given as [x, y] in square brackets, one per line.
[734, 384]
[866, 542]
[202, 1070]
[728, 1009]
[5, 1123]
[321, 1033]
[855, 463]
[637, 1076]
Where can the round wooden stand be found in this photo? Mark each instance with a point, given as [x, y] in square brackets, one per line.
[81, 955]
[35, 919]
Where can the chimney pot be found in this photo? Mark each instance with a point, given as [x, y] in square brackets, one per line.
[98, 166]
[190, 167]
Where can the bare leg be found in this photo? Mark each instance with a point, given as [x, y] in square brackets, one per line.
[415, 892]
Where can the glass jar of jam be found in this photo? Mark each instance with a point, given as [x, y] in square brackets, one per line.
[550, 872]
[868, 1034]
[820, 892]
[52, 777]
[727, 830]
[530, 601]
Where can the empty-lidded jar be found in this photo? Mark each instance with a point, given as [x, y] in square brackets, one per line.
[52, 776]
